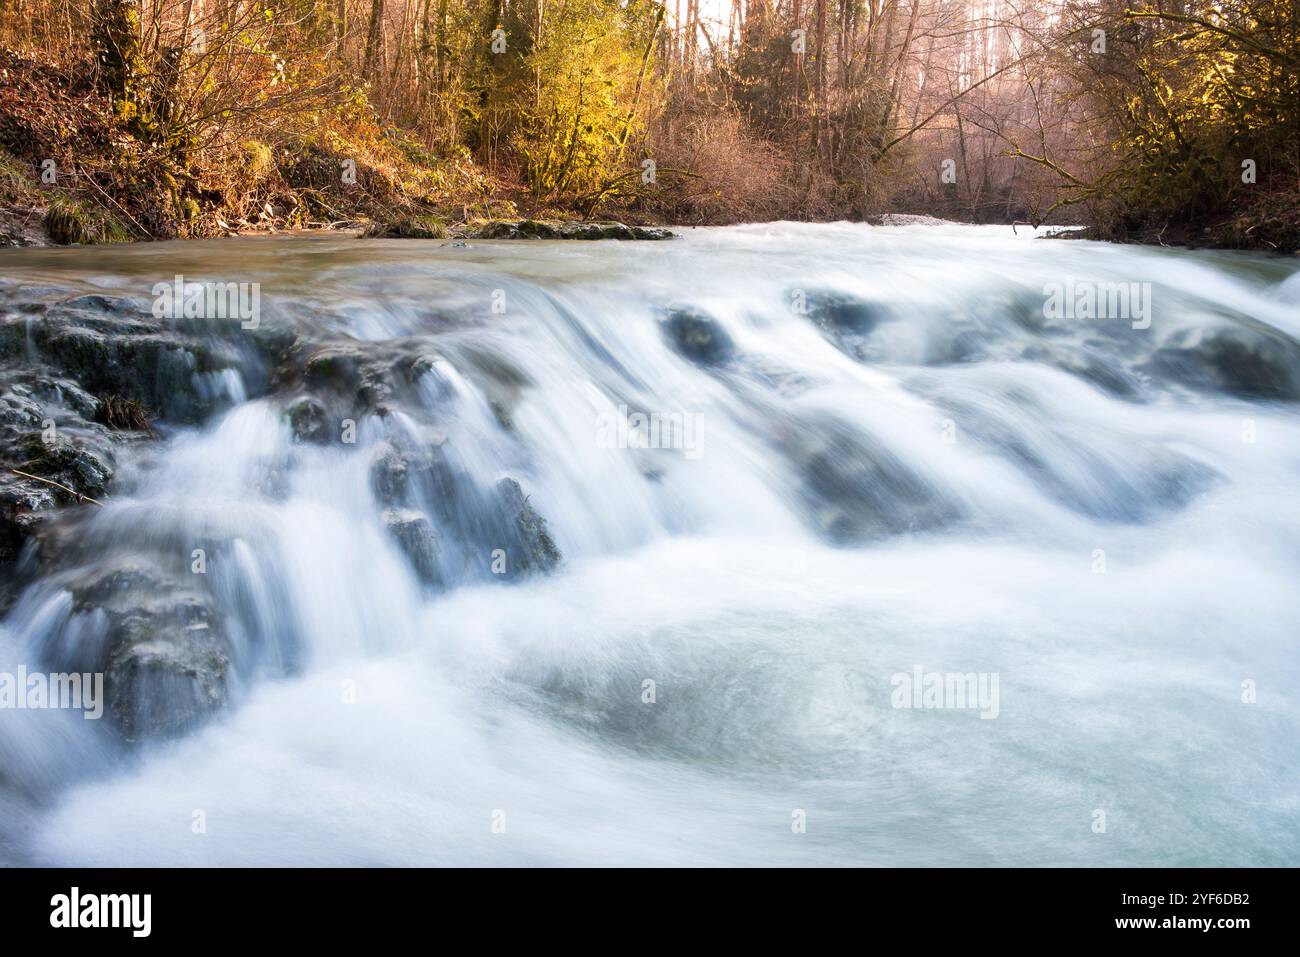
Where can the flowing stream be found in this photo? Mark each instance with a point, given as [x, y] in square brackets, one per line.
[879, 451]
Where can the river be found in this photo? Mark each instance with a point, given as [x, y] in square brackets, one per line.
[757, 481]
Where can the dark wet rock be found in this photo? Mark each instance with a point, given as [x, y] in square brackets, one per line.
[697, 336]
[553, 229]
[176, 390]
[413, 466]
[391, 376]
[415, 536]
[63, 362]
[43, 434]
[83, 462]
[113, 347]
[29, 396]
[390, 477]
[68, 393]
[309, 420]
[376, 388]
[335, 367]
[434, 479]
[159, 643]
[1247, 361]
[528, 544]
[419, 365]
[357, 380]
[25, 507]
[20, 411]
[110, 305]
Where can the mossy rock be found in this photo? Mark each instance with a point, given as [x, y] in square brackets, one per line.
[555, 229]
[409, 227]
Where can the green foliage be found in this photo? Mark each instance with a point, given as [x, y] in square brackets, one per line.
[248, 129]
[259, 159]
[1196, 94]
[578, 104]
[68, 222]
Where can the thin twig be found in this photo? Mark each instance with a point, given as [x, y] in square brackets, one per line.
[86, 176]
[59, 485]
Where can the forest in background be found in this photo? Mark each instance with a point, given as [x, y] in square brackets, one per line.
[1158, 121]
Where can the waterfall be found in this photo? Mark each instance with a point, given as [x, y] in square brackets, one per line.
[604, 553]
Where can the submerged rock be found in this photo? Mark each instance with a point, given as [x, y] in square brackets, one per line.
[501, 381]
[838, 313]
[848, 322]
[1251, 362]
[857, 490]
[1094, 367]
[698, 336]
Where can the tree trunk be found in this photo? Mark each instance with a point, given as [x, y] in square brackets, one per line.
[374, 62]
[823, 120]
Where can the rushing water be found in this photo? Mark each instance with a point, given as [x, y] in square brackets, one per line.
[901, 462]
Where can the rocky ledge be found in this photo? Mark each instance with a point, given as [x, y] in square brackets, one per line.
[558, 229]
[88, 384]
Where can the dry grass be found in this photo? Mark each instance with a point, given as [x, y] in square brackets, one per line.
[123, 415]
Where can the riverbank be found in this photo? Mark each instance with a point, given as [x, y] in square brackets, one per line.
[75, 170]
